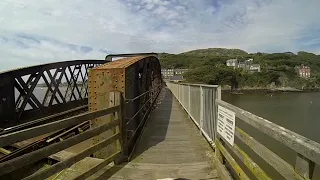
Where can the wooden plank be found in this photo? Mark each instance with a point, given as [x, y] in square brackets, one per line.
[70, 161]
[308, 148]
[8, 139]
[13, 164]
[270, 157]
[304, 167]
[222, 170]
[248, 162]
[98, 167]
[240, 173]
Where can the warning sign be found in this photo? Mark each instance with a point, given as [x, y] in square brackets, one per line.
[226, 124]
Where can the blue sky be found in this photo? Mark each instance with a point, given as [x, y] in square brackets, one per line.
[33, 31]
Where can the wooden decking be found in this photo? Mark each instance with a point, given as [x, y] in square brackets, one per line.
[170, 147]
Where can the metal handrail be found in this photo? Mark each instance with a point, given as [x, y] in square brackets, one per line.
[137, 97]
[131, 118]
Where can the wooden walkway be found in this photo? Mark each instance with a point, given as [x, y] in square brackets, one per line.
[170, 147]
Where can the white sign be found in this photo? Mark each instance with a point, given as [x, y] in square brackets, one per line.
[226, 124]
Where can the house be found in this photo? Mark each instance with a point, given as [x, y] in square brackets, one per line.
[167, 73]
[303, 71]
[232, 63]
[242, 65]
[254, 68]
[176, 78]
[246, 65]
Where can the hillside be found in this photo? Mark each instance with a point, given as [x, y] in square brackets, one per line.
[217, 52]
[277, 69]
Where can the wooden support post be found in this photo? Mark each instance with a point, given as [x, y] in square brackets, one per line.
[304, 167]
[123, 132]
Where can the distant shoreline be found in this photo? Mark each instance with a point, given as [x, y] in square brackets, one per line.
[268, 90]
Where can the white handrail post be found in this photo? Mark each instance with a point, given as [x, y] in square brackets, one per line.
[201, 108]
[189, 100]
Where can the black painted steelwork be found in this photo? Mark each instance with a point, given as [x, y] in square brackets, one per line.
[37, 91]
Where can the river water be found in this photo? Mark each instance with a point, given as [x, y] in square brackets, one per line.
[298, 112]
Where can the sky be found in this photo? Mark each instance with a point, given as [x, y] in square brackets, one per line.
[35, 32]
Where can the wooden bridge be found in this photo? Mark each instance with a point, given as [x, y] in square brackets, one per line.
[139, 127]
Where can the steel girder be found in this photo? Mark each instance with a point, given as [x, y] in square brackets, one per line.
[37, 91]
[139, 81]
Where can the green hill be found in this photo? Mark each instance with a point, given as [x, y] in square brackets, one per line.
[217, 52]
[208, 66]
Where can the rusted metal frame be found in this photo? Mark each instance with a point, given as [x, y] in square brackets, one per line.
[53, 79]
[31, 69]
[18, 136]
[25, 87]
[56, 85]
[80, 73]
[98, 167]
[29, 94]
[83, 88]
[110, 56]
[87, 78]
[72, 160]
[35, 156]
[40, 121]
[72, 82]
[70, 86]
[75, 86]
[50, 89]
[22, 93]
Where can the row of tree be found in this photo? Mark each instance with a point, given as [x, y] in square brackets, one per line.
[278, 69]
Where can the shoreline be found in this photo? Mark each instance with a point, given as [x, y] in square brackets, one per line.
[267, 90]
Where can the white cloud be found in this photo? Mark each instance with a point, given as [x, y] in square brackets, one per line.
[57, 29]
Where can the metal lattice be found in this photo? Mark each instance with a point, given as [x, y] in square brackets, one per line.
[37, 91]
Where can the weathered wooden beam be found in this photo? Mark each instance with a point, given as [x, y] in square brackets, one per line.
[96, 168]
[14, 164]
[18, 136]
[304, 166]
[72, 160]
[222, 170]
[308, 148]
[249, 163]
[237, 169]
[281, 166]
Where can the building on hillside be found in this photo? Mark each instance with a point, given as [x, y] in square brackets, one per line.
[242, 65]
[254, 68]
[232, 63]
[246, 65]
[248, 62]
[176, 78]
[167, 73]
[303, 71]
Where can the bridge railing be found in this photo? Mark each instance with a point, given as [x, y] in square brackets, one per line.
[308, 151]
[38, 91]
[198, 100]
[112, 142]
